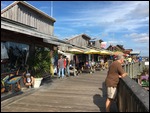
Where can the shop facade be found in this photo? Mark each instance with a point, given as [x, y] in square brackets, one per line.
[24, 30]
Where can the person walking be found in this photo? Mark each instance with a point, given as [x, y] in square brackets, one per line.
[65, 60]
[67, 66]
[61, 66]
[114, 73]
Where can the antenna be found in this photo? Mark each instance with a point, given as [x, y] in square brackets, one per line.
[51, 8]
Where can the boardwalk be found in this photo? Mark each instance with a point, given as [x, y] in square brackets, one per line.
[83, 93]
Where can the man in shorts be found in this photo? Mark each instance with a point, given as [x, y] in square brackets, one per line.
[114, 73]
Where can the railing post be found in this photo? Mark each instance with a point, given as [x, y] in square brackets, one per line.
[133, 69]
[125, 68]
[139, 68]
[128, 70]
[136, 65]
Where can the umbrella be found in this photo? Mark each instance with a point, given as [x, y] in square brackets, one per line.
[75, 51]
[105, 52]
[92, 51]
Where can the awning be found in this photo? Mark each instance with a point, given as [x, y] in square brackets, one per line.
[69, 55]
[55, 42]
[134, 52]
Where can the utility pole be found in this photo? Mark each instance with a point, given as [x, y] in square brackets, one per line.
[51, 9]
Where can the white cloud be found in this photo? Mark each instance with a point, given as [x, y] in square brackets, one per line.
[115, 42]
[97, 18]
[141, 38]
[119, 16]
[140, 11]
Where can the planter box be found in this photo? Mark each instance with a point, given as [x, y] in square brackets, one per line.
[37, 82]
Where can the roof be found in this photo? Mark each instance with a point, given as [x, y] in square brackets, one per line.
[83, 35]
[29, 6]
[120, 46]
[12, 25]
[18, 27]
[117, 47]
[128, 49]
[135, 52]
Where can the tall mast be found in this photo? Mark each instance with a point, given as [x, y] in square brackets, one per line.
[51, 8]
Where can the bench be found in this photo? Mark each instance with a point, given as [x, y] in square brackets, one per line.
[11, 80]
[14, 81]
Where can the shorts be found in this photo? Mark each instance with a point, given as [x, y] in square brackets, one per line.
[111, 92]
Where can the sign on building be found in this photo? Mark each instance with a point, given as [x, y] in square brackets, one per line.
[103, 45]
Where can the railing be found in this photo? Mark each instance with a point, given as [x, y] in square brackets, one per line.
[134, 69]
[131, 96]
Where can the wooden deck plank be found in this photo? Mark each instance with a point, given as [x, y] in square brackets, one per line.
[83, 93]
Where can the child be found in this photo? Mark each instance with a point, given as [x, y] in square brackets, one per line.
[28, 80]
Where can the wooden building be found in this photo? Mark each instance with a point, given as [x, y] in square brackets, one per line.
[81, 40]
[128, 51]
[95, 44]
[115, 48]
[85, 43]
[23, 28]
[27, 14]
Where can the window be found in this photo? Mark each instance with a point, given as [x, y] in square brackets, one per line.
[16, 54]
[4, 54]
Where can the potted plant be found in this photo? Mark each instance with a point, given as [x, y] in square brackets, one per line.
[40, 64]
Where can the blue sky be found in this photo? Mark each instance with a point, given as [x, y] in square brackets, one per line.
[115, 22]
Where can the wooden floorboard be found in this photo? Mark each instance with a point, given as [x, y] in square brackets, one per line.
[83, 93]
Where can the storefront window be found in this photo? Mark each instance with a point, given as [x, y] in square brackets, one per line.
[4, 53]
[14, 55]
